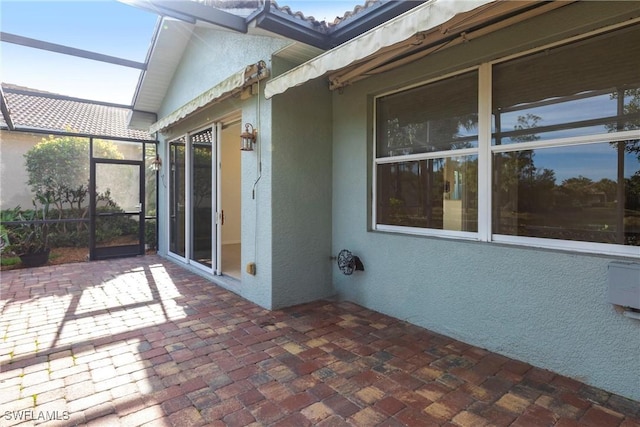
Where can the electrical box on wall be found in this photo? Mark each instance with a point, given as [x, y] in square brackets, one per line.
[624, 284]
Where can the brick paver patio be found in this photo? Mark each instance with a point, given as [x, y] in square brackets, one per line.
[141, 341]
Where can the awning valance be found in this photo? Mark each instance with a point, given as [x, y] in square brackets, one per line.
[227, 88]
[395, 31]
[430, 27]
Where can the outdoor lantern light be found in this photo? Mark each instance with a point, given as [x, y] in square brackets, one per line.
[248, 137]
[156, 163]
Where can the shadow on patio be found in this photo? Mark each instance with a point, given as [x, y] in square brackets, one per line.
[141, 341]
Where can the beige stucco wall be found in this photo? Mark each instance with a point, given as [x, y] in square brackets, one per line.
[14, 190]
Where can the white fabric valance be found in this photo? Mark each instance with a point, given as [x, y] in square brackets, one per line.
[223, 90]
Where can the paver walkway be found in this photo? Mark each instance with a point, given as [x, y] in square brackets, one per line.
[141, 341]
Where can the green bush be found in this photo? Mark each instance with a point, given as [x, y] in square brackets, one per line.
[76, 234]
[150, 233]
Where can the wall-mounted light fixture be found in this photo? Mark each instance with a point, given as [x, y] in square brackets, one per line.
[156, 163]
[248, 137]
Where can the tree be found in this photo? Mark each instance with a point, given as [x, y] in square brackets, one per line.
[631, 110]
[59, 167]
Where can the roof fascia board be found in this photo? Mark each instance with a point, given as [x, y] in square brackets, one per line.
[368, 19]
[154, 39]
[66, 50]
[201, 12]
[168, 45]
[278, 22]
[159, 10]
[133, 110]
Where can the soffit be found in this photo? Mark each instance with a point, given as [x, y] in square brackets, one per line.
[298, 53]
[295, 52]
[165, 55]
[428, 28]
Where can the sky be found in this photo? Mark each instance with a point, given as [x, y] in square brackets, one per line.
[104, 26]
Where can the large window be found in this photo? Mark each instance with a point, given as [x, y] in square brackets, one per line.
[560, 166]
[426, 156]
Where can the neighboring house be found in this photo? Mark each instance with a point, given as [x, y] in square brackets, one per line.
[446, 146]
[29, 115]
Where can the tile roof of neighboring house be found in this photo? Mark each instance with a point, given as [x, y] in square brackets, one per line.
[32, 109]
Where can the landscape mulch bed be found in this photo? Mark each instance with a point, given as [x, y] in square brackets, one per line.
[61, 256]
[58, 256]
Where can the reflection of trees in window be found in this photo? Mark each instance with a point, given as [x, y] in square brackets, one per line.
[516, 174]
[428, 136]
[628, 115]
[202, 176]
[177, 177]
[428, 192]
[410, 193]
[419, 193]
[522, 189]
[439, 116]
[533, 203]
[628, 102]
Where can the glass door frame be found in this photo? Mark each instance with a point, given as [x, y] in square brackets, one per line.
[217, 184]
[170, 196]
[96, 253]
[215, 219]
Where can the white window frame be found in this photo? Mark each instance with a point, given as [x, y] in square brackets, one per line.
[485, 152]
[467, 235]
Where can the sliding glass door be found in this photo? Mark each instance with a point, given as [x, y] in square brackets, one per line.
[205, 198]
[202, 198]
[192, 199]
[177, 197]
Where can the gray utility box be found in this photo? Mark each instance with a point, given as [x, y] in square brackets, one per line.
[624, 284]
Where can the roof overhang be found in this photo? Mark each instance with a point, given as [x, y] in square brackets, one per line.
[430, 27]
[229, 87]
[272, 19]
[169, 42]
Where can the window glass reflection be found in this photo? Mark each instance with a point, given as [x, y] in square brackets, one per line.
[177, 212]
[202, 197]
[433, 193]
[585, 88]
[436, 117]
[586, 192]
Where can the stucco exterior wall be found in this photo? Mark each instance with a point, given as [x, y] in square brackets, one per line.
[211, 56]
[14, 190]
[548, 308]
[301, 192]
